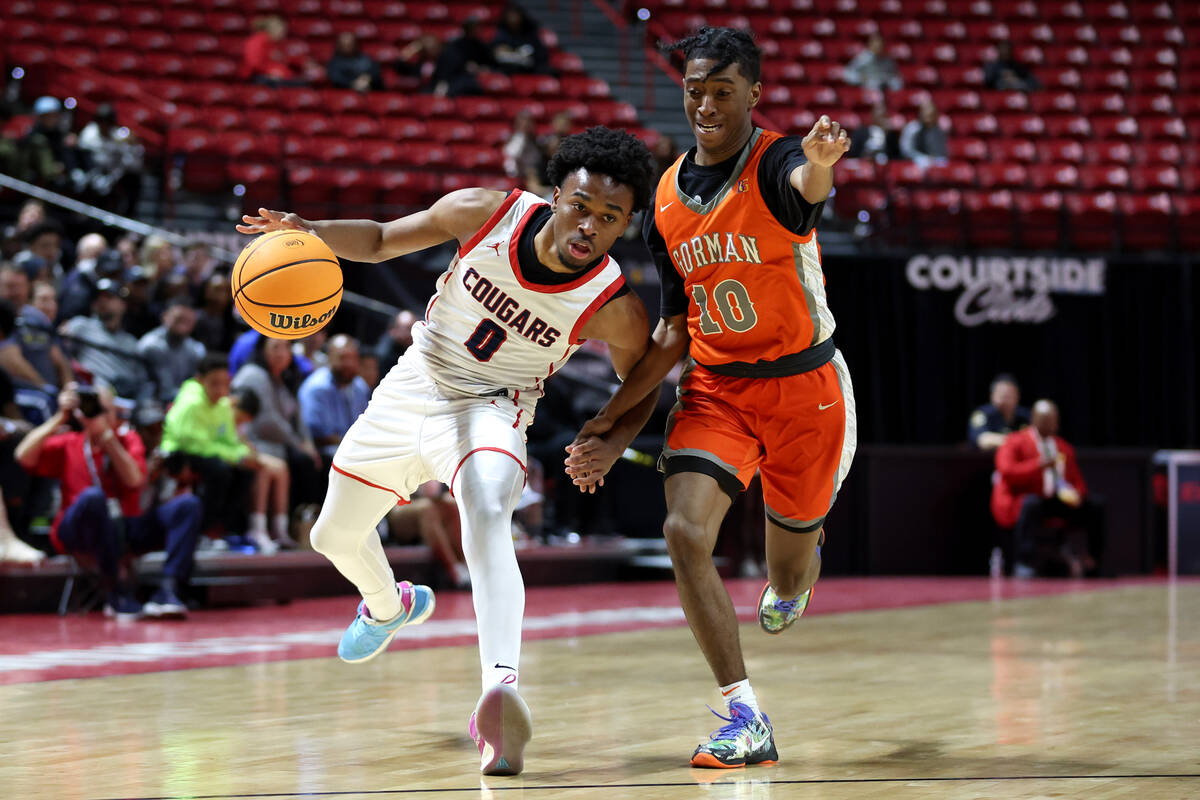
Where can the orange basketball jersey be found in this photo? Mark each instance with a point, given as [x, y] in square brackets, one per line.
[756, 292]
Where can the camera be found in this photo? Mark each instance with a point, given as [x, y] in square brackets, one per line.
[89, 401]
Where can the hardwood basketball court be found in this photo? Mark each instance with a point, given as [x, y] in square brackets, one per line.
[888, 688]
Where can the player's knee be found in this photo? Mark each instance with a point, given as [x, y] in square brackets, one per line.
[684, 537]
[325, 539]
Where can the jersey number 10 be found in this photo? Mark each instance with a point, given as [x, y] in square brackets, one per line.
[733, 306]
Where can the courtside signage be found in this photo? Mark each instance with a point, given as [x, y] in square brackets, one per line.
[1006, 289]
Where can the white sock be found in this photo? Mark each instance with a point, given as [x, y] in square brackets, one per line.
[740, 692]
[488, 487]
[279, 524]
[258, 522]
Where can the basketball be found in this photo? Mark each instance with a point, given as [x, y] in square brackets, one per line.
[287, 284]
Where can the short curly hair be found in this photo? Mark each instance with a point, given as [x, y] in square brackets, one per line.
[617, 154]
[725, 46]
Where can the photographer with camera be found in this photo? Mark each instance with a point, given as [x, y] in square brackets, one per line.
[102, 469]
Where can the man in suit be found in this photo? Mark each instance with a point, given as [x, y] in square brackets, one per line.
[991, 423]
[1038, 478]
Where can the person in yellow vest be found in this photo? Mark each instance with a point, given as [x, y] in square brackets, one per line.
[732, 229]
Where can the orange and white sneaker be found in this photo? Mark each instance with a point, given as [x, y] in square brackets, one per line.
[501, 727]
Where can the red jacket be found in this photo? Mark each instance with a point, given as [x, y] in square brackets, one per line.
[1019, 473]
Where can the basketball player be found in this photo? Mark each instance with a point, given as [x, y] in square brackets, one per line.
[529, 284]
[731, 228]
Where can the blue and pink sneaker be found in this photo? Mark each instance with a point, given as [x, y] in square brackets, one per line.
[367, 638]
[501, 727]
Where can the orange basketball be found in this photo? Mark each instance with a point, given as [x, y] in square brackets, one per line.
[287, 284]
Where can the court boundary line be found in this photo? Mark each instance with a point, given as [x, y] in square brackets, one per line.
[687, 784]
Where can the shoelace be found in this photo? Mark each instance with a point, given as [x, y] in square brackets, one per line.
[736, 723]
[787, 606]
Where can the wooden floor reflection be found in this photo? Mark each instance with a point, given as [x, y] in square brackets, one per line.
[1092, 695]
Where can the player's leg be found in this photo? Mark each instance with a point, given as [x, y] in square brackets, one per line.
[809, 453]
[345, 533]
[487, 486]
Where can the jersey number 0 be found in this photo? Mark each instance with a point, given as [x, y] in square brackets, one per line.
[486, 340]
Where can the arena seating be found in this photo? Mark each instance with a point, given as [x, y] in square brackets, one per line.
[171, 68]
[1112, 139]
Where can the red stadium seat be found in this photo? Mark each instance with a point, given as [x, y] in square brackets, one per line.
[1091, 216]
[858, 172]
[1019, 151]
[1154, 153]
[1162, 127]
[1066, 56]
[1005, 102]
[1053, 103]
[1158, 178]
[1093, 103]
[1151, 104]
[1018, 125]
[1044, 177]
[1039, 219]
[973, 124]
[1108, 152]
[991, 218]
[1146, 221]
[1155, 80]
[1112, 57]
[904, 174]
[1068, 126]
[1114, 127]
[1108, 176]
[950, 100]
[267, 121]
[967, 76]
[924, 75]
[1001, 176]
[955, 174]
[1187, 208]
[1190, 178]
[967, 148]
[1064, 78]
[427, 154]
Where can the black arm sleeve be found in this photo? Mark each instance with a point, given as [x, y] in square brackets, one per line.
[673, 298]
[785, 201]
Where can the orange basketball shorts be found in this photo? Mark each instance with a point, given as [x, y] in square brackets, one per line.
[798, 431]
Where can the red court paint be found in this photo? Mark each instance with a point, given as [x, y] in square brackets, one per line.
[46, 647]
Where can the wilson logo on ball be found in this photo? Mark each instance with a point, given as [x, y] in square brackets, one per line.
[285, 322]
[293, 243]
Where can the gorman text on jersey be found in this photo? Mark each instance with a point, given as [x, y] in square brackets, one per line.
[715, 248]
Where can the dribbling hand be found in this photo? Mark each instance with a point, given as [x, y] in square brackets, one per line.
[826, 142]
[268, 221]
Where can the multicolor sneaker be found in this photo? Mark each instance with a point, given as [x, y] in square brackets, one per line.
[775, 614]
[366, 638]
[501, 727]
[747, 739]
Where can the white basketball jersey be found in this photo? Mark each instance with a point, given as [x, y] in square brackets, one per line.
[487, 330]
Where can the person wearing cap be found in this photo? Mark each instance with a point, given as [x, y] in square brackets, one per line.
[50, 151]
[35, 331]
[103, 347]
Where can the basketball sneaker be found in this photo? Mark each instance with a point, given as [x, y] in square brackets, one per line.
[501, 727]
[775, 614]
[747, 739]
[367, 638]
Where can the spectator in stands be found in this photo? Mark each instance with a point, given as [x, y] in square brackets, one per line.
[127, 246]
[265, 57]
[114, 161]
[419, 60]
[368, 368]
[201, 426]
[45, 300]
[461, 58]
[517, 47]
[170, 350]
[991, 423]
[102, 470]
[103, 348]
[876, 140]
[142, 311]
[432, 517]
[872, 68]
[12, 360]
[197, 267]
[32, 214]
[522, 156]
[309, 352]
[50, 150]
[158, 258]
[216, 328]
[94, 261]
[333, 397]
[922, 140]
[278, 429]
[350, 67]
[1006, 72]
[1038, 479]
[398, 338]
[44, 241]
[665, 152]
[35, 331]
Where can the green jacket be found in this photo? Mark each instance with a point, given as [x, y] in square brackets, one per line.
[196, 426]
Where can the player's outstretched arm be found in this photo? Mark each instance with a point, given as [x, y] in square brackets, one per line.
[823, 146]
[457, 215]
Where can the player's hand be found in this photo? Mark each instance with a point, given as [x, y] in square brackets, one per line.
[268, 221]
[68, 401]
[596, 426]
[825, 143]
[589, 460]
